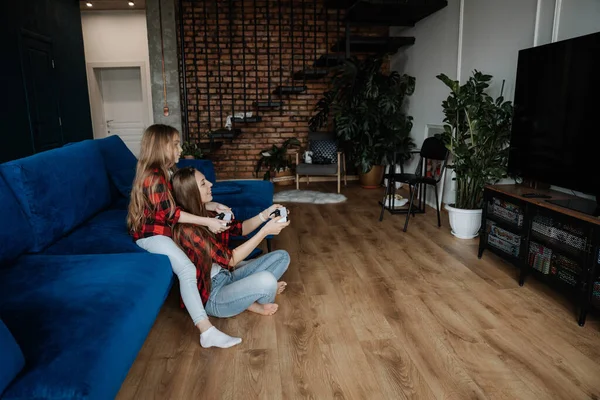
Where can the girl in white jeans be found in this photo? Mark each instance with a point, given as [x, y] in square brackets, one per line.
[227, 284]
[153, 214]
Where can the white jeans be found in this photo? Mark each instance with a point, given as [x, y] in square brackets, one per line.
[183, 268]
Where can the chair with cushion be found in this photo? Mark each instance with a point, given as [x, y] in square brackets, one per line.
[326, 159]
[430, 169]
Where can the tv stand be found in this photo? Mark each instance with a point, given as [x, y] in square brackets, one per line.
[555, 244]
[585, 206]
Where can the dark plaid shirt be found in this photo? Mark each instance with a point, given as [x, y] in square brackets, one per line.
[194, 242]
[159, 219]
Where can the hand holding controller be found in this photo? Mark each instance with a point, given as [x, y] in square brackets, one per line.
[281, 212]
[225, 216]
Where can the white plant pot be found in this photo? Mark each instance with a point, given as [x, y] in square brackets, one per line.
[465, 224]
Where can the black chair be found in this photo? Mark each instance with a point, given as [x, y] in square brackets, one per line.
[433, 153]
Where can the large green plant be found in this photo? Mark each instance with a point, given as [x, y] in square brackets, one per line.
[275, 158]
[366, 106]
[476, 132]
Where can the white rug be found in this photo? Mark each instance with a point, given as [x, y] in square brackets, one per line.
[308, 196]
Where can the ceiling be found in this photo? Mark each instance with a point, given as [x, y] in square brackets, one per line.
[112, 5]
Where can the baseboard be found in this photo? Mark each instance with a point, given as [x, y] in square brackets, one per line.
[303, 179]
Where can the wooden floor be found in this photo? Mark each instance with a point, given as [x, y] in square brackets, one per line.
[371, 312]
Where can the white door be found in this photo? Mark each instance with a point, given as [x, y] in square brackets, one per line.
[124, 108]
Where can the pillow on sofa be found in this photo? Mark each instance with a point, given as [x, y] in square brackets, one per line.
[12, 357]
[119, 161]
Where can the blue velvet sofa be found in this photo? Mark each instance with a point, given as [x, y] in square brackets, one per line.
[77, 296]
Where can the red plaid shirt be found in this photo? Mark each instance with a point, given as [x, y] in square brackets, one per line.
[158, 217]
[194, 242]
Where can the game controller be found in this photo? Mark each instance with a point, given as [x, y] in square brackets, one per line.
[225, 216]
[281, 212]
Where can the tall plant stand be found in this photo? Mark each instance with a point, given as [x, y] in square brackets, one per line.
[421, 191]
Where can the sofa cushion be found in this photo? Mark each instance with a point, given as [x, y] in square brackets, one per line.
[105, 233]
[12, 357]
[80, 320]
[16, 236]
[255, 196]
[223, 188]
[59, 189]
[204, 166]
[120, 163]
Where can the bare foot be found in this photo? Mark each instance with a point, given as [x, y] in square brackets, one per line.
[264, 309]
[281, 287]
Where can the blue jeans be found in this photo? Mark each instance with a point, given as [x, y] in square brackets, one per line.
[252, 281]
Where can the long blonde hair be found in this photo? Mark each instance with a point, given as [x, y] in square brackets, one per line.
[156, 153]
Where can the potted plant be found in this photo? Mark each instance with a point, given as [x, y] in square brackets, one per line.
[366, 106]
[191, 150]
[277, 162]
[477, 132]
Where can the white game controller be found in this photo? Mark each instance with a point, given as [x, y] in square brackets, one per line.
[281, 212]
[225, 216]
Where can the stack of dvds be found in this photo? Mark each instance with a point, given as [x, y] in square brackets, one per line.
[503, 239]
[506, 210]
[540, 257]
[565, 269]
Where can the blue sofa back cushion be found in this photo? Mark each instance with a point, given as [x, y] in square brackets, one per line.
[105, 233]
[59, 189]
[80, 320]
[120, 163]
[204, 166]
[15, 236]
[12, 357]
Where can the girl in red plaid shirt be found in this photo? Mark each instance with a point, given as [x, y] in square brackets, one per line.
[227, 284]
[153, 215]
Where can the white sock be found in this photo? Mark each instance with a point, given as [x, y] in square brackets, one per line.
[214, 337]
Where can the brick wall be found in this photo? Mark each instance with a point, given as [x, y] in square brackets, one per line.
[242, 51]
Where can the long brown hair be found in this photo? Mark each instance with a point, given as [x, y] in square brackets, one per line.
[156, 153]
[187, 195]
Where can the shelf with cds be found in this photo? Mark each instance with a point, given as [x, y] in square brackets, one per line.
[542, 241]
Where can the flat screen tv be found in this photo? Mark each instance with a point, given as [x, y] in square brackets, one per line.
[556, 127]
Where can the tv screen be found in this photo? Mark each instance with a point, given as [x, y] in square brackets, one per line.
[556, 126]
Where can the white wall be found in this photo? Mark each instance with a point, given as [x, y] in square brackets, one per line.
[115, 36]
[490, 35]
[577, 18]
[435, 51]
[493, 33]
[115, 39]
